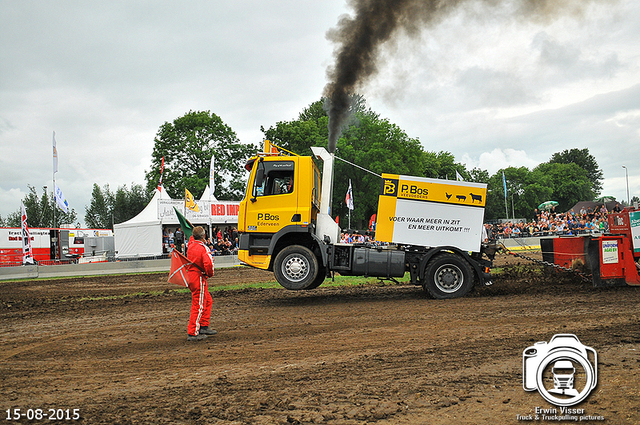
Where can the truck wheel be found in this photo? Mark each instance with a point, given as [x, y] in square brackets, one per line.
[448, 276]
[296, 267]
[322, 275]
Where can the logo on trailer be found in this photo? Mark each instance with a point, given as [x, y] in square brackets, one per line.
[389, 187]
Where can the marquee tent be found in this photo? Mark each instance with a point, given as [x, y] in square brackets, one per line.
[142, 235]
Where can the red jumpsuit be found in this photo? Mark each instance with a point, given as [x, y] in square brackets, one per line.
[201, 300]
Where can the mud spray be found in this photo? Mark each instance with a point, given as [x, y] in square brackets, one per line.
[358, 39]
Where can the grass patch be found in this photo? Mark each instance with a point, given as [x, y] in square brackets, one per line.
[122, 296]
[88, 276]
[337, 282]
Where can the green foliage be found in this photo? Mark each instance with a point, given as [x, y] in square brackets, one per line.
[310, 129]
[12, 220]
[520, 196]
[107, 208]
[40, 211]
[565, 183]
[381, 147]
[187, 145]
[583, 159]
[98, 213]
[570, 183]
[442, 165]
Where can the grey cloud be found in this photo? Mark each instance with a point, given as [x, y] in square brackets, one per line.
[566, 61]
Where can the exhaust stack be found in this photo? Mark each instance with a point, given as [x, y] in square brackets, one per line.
[326, 227]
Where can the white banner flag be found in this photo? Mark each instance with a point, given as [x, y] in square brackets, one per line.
[62, 203]
[27, 253]
[55, 154]
[212, 182]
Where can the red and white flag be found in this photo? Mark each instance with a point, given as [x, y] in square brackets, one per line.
[161, 173]
[27, 253]
[349, 198]
[178, 272]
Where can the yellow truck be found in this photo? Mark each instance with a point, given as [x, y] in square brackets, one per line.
[430, 228]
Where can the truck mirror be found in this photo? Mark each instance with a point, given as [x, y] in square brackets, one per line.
[259, 177]
[258, 181]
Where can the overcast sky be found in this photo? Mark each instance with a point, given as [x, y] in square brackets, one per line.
[491, 86]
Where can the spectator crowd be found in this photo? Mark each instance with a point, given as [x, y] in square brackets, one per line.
[220, 242]
[550, 223]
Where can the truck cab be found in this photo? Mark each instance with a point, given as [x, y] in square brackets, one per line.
[280, 208]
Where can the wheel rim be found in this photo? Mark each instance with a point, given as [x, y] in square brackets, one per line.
[295, 268]
[448, 278]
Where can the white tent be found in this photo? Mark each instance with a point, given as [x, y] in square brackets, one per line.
[142, 235]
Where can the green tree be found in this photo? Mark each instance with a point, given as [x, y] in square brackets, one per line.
[187, 145]
[12, 220]
[107, 208]
[128, 203]
[443, 165]
[525, 191]
[570, 183]
[98, 213]
[583, 159]
[478, 175]
[310, 129]
[40, 211]
[381, 147]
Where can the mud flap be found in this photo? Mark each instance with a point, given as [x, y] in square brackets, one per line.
[593, 259]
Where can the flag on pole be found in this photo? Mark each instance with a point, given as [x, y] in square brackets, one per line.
[189, 202]
[62, 203]
[55, 154]
[212, 182]
[178, 271]
[27, 253]
[504, 184]
[187, 227]
[161, 173]
[349, 198]
[459, 177]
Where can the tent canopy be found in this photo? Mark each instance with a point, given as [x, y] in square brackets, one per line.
[593, 206]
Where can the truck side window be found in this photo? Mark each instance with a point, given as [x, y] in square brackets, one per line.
[278, 179]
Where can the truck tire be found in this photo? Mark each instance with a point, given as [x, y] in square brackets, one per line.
[322, 275]
[448, 275]
[296, 267]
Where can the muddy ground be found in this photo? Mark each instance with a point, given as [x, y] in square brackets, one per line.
[115, 348]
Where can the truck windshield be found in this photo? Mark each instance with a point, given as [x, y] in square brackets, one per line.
[277, 180]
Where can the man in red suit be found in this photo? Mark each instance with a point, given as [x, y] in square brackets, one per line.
[197, 274]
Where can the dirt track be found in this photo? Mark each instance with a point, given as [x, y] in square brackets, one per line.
[383, 354]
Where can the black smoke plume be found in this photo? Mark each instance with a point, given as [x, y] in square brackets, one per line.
[359, 38]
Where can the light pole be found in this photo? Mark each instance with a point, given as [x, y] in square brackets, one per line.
[626, 175]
